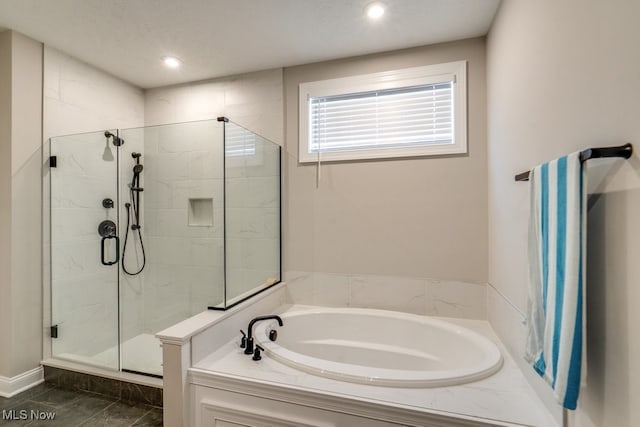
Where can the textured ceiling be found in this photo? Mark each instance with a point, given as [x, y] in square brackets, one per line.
[215, 38]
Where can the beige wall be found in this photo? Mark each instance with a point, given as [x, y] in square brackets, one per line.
[26, 203]
[420, 217]
[563, 76]
[5, 198]
[21, 201]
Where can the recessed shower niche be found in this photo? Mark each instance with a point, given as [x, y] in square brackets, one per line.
[152, 225]
[201, 212]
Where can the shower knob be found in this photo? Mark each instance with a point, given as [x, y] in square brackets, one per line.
[107, 203]
[107, 228]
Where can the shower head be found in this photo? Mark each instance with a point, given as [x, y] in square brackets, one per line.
[116, 141]
[137, 169]
[136, 157]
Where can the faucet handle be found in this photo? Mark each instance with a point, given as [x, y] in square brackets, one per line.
[256, 353]
[243, 341]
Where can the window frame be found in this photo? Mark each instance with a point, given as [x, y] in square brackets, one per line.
[451, 71]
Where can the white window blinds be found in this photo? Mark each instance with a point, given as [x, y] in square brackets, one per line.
[418, 111]
[392, 118]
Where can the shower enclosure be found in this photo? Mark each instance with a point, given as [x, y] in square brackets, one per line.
[152, 225]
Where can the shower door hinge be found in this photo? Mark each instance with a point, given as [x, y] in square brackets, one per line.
[54, 331]
[53, 162]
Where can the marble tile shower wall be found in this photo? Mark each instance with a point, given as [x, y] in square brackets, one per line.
[184, 272]
[433, 297]
[255, 101]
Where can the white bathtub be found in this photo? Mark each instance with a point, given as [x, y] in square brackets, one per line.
[379, 347]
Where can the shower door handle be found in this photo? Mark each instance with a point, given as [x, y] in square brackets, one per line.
[104, 239]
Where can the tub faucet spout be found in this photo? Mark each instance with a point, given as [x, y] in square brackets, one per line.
[249, 348]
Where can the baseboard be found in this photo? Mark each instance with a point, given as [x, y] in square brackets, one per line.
[9, 387]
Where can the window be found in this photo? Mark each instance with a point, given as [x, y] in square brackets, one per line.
[411, 112]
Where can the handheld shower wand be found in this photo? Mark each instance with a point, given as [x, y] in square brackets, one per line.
[133, 213]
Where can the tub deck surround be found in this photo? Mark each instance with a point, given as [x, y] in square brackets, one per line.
[197, 337]
[504, 398]
[206, 373]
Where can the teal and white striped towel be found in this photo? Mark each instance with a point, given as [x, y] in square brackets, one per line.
[557, 237]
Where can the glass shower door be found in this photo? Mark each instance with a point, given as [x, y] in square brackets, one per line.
[85, 249]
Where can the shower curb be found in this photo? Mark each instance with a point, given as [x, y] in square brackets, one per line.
[122, 390]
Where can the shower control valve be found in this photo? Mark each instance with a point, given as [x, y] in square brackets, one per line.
[107, 228]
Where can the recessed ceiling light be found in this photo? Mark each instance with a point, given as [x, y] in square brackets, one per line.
[171, 61]
[375, 10]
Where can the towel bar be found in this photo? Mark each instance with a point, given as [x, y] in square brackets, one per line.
[625, 151]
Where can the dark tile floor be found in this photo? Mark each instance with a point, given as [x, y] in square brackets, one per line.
[36, 406]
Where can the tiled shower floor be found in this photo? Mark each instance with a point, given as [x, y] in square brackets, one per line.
[73, 408]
